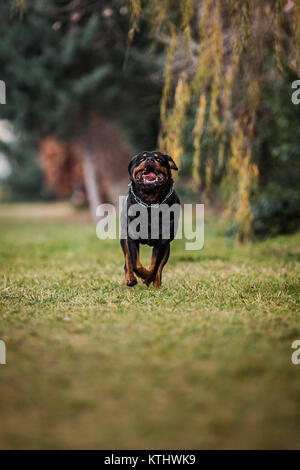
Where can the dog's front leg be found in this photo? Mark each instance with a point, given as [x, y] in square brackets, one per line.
[157, 279]
[130, 279]
[160, 256]
[134, 251]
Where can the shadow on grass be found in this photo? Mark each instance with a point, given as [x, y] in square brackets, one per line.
[292, 256]
[197, 258]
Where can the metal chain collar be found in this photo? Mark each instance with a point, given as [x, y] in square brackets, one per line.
[155, 206]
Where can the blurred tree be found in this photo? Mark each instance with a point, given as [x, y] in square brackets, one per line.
[276, 205]
[67, 61]
[24, 180]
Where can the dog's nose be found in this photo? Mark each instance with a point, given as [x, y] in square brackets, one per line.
[150, 160]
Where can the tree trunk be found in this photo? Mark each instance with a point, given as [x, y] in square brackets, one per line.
[91, 181]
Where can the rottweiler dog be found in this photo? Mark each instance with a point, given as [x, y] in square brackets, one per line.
[150, 193]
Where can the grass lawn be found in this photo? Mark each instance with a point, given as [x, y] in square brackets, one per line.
[203, 363]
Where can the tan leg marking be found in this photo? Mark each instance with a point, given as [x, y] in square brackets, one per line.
[157, 280]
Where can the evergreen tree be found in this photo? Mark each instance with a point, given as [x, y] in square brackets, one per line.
[64, 64]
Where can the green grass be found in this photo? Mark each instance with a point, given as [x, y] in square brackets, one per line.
[203, 363]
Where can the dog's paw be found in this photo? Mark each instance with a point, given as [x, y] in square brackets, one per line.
[148, 279]
[131, 282]
[157, 284]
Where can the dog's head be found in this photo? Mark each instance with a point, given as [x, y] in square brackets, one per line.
[151, 170]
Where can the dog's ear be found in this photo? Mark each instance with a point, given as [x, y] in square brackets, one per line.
[172, 164]
[130, 165]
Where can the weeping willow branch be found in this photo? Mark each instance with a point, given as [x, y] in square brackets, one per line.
[216, 56]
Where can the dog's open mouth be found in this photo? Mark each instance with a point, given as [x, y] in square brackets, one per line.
[150, 176]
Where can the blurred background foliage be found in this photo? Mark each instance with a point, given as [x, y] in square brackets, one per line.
[64, 64]
[209, 82]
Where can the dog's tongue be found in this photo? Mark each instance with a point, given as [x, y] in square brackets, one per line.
[150, 176]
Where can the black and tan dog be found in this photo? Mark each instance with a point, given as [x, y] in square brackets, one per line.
[151, 186]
